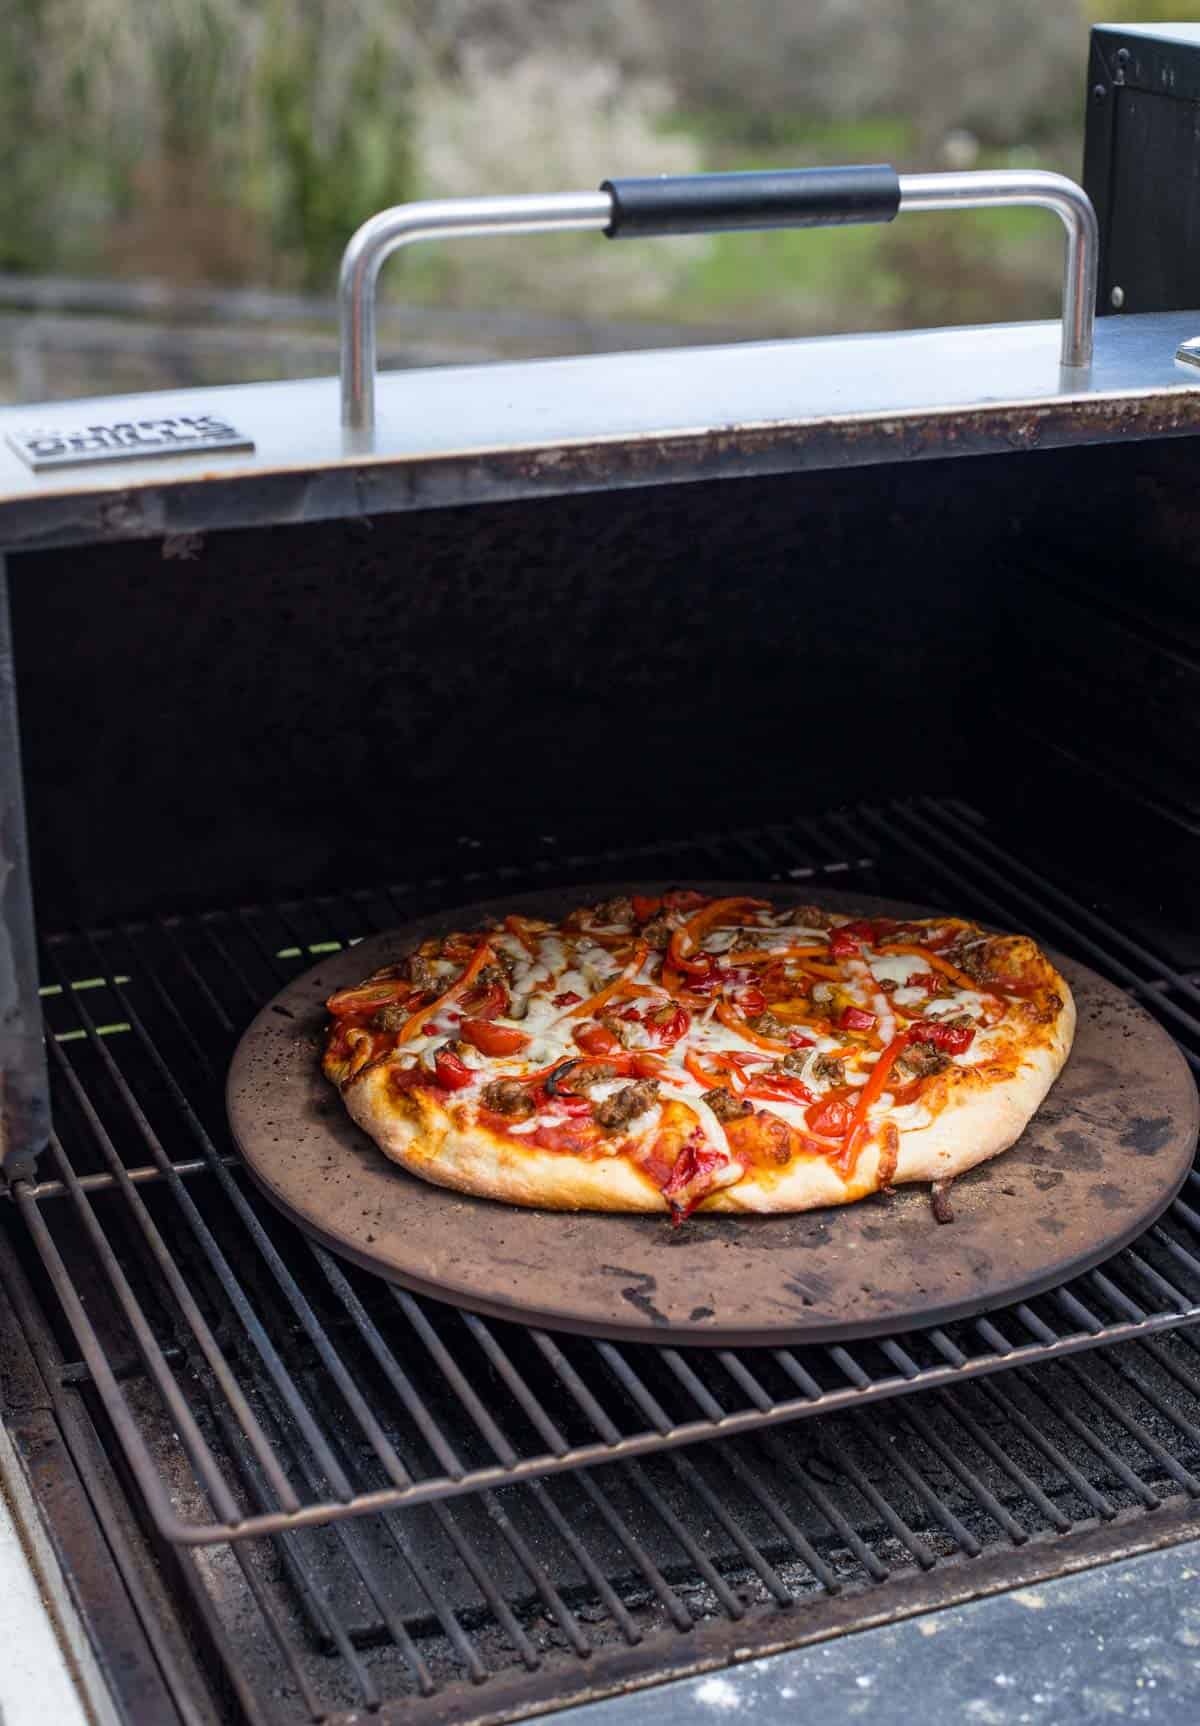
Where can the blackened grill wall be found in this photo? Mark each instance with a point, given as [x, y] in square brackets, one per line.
[311, 707]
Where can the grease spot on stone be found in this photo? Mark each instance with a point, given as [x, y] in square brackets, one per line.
[1146, 1135]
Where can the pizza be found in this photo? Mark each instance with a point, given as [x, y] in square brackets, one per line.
[680, 1052]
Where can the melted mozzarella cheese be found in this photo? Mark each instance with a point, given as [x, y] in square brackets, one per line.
[961, 1001]
[712, 1129]
[896, 967]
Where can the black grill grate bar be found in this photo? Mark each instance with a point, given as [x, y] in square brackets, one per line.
[1110, 935]
[1040, 1441]
[215, 1257]
[886, 1443]
[454, 1376]
[1115, 1411]
[232, 945]
[171, 1275]
[586, 1480]
[262, 1599]
[201, 1457]
[1041, 1387]
[746, 1475]
[302, 1574]
[1007, 901]
[141, 1175]
[632, 1472]
[868, 1491]
[954, 1406]
[516, 1383]
[692, 1479]
[914, 1418]
[403, 1385]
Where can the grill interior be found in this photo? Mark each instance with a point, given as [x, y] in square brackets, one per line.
[358, 1499]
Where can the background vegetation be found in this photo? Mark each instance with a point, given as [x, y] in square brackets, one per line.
[234, 142]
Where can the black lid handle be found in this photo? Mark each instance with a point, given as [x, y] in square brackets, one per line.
[776, 198]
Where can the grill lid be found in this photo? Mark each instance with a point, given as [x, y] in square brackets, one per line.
[478, 434]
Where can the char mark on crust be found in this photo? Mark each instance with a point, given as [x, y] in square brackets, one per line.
[889, 1153]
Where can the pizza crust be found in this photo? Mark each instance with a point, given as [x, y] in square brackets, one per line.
[975, 1121]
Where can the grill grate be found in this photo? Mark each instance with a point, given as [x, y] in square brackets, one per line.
[419, 1468]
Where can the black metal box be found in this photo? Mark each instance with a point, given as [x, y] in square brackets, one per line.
[1142, 164]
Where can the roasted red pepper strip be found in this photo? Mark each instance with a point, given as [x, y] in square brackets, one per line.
[870, 1093]
[937, 963]
[702, 1075]
[777, 1088]
[645, 908]
[842, 945]
[369, 997]
[451, 1072]
[686, 941]
[568, 998]
[587, 1009]
[856, 1019]
[420, 1019]
[734, 1022]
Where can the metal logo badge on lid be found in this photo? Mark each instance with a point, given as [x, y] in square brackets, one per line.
[125, 440]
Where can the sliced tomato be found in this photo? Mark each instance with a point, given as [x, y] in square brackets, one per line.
[831, 1117]
[451, 1072]
[842, 945]
[597, 1040]
[485, 1001]
[750, 1001]
[568, 998]
[665, 1030]
[492, 1039]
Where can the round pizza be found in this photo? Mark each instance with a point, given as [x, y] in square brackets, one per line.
[680, 1052]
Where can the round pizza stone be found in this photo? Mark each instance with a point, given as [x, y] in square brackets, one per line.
[1103, 1156]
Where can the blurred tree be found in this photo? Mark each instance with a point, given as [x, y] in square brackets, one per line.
[333, 132]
